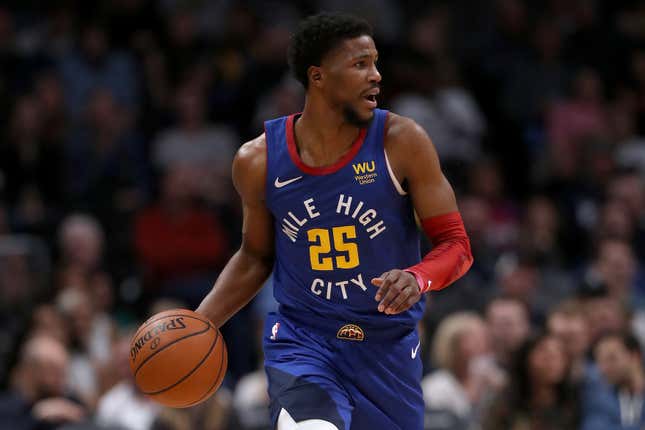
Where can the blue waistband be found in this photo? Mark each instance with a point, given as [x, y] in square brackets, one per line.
[334, 328]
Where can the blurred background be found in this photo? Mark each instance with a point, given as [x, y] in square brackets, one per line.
[120, 121]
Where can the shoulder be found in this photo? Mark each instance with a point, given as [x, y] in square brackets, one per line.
[249, 167]
[407, 144]
[252, 153]
[401, 130]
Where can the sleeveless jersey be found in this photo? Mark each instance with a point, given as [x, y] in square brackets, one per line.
[336, 228]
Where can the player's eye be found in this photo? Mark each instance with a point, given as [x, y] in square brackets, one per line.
[359, 64]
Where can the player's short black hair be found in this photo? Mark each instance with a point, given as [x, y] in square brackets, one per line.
[319, 34]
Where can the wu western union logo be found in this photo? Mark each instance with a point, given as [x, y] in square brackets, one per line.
[364, 167]
[351, 332]
[365, 172]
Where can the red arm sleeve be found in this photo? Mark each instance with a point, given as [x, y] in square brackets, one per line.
[450, 257]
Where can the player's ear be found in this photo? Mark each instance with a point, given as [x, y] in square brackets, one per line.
[315, 75]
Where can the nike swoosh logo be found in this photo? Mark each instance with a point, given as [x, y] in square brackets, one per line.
[415, 350]
[279, 184]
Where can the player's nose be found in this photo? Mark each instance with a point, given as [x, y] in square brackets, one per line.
[375, 75]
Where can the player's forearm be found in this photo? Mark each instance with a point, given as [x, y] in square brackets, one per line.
[238, 283]
[450, 257]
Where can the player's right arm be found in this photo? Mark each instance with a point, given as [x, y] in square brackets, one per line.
[251, 265]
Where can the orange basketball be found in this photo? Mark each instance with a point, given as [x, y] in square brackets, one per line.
[178, 358]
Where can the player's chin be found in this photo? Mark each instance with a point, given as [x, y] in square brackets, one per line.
[359, 114]
[365, 111]
[364, 118]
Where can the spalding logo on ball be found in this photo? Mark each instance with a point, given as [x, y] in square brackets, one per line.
[178, 358]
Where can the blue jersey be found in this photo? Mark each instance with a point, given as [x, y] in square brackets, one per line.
[336, 228]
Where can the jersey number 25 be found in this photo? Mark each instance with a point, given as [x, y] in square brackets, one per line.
[320, 250]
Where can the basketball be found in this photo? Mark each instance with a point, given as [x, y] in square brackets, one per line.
[178, 358]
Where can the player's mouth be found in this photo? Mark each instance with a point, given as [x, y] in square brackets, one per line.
[370, 97]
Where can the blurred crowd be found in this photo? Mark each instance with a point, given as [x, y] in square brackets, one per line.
[121, 121]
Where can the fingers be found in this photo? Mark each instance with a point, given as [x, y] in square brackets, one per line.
[398, 300]
[397, 291]
[383, 283]
[393, 291]
[412, 297]
[386, 280]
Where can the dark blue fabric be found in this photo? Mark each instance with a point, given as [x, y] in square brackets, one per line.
[303, 398]
[360, 196]
[600, 405]
[372, 385]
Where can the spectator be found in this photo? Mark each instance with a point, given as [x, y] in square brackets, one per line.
[539, 395]
[466, 378]
[24, 276]
[449, 114]
[213, 414]
[81, 242]
[48, 321]
[285, 98]
[180, 244]
[94, 65]
[539, 231]
[48, 90]
[568, 323]
[37, 398]
[615, 265]
[251, 402]
[476, 213]
[619, 405]
[538, 80]
[509, 327]
[571, 120]
[540, 238]
[182, 41]
[90, 337]
[123, 404]
[630, 145]
[615, 221]
[205, 148]
[628, 187]
[604, 314]
[518, 276]
[32, 168]
[107, 158]
[485, 180]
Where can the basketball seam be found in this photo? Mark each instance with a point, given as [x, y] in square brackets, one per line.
[151, 393]
[169, 344]
[219, 372]
[147, 323]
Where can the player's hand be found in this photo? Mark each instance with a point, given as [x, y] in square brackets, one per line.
[398, 291]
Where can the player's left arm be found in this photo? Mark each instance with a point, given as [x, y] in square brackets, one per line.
[414, 161]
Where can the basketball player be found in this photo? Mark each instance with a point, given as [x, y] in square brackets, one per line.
[329, 198]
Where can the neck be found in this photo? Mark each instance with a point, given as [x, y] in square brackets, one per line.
[322, 133]
[543, 396]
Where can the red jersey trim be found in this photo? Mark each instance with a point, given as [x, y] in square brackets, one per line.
[325, 170]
